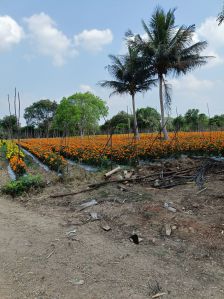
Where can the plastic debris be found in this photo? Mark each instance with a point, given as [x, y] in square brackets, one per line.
[71, 234]
[77, 281]
[169, 208]
[88, 204]
[94, 216]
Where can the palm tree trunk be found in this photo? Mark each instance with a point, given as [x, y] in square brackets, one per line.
[163, 123]
[136, 133]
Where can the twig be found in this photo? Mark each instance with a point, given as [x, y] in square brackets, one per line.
[49, 255]
[158, 295]
[200, 191]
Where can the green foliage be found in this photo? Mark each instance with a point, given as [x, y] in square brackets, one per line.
[148, 119]
[119, 123]
[179, 123]
[191, 121]
[23, 184]
[40, 114]
[66, 117]
[80, 112]
[217, 122]
[8, 126]
[191, 118]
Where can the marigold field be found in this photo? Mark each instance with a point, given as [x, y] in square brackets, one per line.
[123, 148]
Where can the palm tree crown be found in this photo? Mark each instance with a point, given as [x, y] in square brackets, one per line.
[169, 50]
[130, 75]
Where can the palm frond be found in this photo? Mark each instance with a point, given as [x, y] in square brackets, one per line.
[147, 30]
[220, 17]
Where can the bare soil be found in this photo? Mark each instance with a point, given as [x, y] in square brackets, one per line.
[39, 260]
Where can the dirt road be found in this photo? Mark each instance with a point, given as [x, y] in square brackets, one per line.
[39, 261]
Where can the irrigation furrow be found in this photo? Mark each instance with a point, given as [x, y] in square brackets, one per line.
[11, 173]
[89, 168]
[45, 167]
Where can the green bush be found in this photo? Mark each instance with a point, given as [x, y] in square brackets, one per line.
[23, 184]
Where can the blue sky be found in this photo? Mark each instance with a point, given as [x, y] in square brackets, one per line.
[51, 48]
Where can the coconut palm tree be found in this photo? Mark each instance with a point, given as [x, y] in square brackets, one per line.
[220, 17]
[169, 50]
[130, 76]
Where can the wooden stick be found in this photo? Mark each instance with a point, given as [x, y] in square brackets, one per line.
[158, 295]
[108, 174]
[97, 185]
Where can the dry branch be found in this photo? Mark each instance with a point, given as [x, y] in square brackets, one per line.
[108, 174]
[135, 179]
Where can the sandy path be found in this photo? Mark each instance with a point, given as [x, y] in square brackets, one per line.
[38, 260]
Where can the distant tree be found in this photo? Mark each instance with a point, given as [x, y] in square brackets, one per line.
[191, 118]
[203, 121]
[27, 131]
[40, 114]
[168, 50]
[217, 121]
[148, 119]
[130, 77]
[80, 112]
[9, 125]
[179, 123]
[119, 123]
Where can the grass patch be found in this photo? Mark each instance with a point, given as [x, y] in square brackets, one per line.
[23, 184]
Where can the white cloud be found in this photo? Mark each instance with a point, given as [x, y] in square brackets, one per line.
[10, 33]
[93, 40]
[190, 83]
[49, 40]
[214, 35]
[86, 88]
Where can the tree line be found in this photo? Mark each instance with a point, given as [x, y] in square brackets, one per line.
[80, 113]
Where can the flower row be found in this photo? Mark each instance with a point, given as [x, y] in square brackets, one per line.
[124, 149]
[45, 154]
[15, 157]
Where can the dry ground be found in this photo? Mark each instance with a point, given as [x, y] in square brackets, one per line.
[38, 260]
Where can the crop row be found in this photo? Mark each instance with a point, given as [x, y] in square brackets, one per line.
[45, 154]
[123, 148]
[15, 157]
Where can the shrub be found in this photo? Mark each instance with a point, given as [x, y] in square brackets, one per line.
[23, 184]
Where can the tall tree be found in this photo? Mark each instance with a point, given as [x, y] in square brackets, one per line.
[130, 77]
[80, 112]
[169, 50]
[40, 114]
